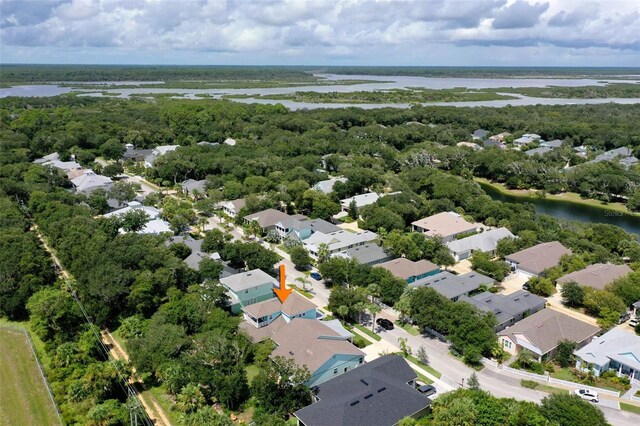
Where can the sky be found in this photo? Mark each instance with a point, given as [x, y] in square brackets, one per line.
[322, 32]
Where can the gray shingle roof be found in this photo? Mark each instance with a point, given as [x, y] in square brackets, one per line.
[374, 394]
[267, 218]
[539, 151]
[452, 286]
[539, 257]
[404, 268]
[505, 307]
[247, 280]
[486, 241]
[597, 275]
[366, 254]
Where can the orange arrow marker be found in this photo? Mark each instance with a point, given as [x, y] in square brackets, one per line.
[283, 292]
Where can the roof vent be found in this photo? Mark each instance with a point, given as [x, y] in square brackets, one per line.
[291, 353]
[368, 396]
[365, 382]
[382, 389]
[354, 403]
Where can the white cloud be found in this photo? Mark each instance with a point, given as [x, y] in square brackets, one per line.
[428, 32]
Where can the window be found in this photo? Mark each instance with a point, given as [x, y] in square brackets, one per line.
[346, 369]
[335, 371]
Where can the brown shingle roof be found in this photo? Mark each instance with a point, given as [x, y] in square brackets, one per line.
[540, 257]
[311, 343]
[546, 328]
[404, 268]
[295, 304]
[597, 275]
[445, 224]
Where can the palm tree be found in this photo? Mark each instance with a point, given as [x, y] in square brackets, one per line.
[323, 252]
[361, 307]
[374, 310]
[304, 281]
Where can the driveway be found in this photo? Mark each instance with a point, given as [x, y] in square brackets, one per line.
[461, 267]
[512, 283]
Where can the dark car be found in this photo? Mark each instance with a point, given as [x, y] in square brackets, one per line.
[315, 276]
[526, 287]
[385, 323]
[427, 390]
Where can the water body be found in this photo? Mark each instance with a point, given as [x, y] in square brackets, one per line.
[570, 211]
[378, 83]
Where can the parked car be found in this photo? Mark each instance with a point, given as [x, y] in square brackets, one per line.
[315, 276]
[634, 322]
[427, 389]
[385, 323]
[624, 317]
[587, 394]
[526, 287]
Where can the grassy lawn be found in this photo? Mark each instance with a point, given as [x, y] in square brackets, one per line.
[368, 332]
[252, 372]
[411, 329]
[164, 402]
[423, 378]
[568, 375]
[417, 362]
[630, 407]
[531, 384]
[24, 399]
[564, 374]
[301, 291]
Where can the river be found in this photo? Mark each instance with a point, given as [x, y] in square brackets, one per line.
[569, 210]
[377, 83]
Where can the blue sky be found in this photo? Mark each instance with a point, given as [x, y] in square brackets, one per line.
[322, 32]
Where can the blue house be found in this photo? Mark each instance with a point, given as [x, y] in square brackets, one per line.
[249, 288]
[410, 271]
[264, 313]
[324, 350]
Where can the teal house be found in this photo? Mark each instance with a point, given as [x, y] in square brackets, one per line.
[248, 288]
[410, 271]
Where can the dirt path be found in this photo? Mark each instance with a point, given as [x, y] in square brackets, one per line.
[151, 406]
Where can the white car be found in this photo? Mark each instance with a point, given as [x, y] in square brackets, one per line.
[587, 394]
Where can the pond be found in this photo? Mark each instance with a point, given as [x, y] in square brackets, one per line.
[570, 210]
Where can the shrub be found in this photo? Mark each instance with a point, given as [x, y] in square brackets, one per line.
[529, 384]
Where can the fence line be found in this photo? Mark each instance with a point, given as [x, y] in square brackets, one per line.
[44, 376]
[634, 398]
[549, 379]
[580, 385]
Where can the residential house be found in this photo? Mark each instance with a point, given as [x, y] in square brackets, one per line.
[533, 261]
[538, 151]
[197, 255]
[618, 153]
[541, 332]
[65, 166]
[158, 151]
[155, 225]
[262, 314]
[556, 143]
[494, 143]
[596, 276]
[337, 241]
[368, 254]
[453, 286]
[480, 134]
[292, 227]
[47, 158]
[361, 200]
[486, 242]
[89, 182]
[133, 154]
[581, 151]
[635, 311]
[326, 186]
[409, 270]
[628, 162]
[447, 225]
[267, 219]
[248, 288]
[207, 143]
[381, 392]
[321, 225]
[230, 142]
[324, 349]
[508, 309]
[500, 137]
[526, 139]
[190, 186]
[471, 145]
[616, 350]
[233, 207]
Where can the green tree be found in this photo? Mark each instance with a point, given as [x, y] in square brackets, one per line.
[205, 416]
[460, 411]
[564, 353]
[353, 210]
[123, 191]
[134, 220]
[190, 399]
[572, 294]
[210, 269]
[54, 315]
[279, 387]
[473, 383]
[569, 410]
[374, 309]
[300, 257]
[214, 241]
